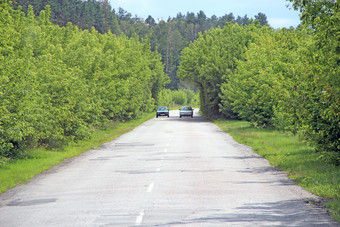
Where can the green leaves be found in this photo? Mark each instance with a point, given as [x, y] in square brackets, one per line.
[285, 79]
[321, 123]
[210, 61]
[58, 84]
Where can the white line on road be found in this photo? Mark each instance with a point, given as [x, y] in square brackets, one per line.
[150, 187]
[159, 169]
[140, 218]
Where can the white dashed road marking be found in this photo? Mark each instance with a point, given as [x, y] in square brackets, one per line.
[150, 187]
[140, 218]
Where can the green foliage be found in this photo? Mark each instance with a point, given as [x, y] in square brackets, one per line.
[265, 78]
[167, 37]
[288, 79]
[211, 60]
[191, 96]
[165, 98]
[321, 121]
[35, 161]
[58, 84]
[180, 97]
[84, 14]
[289, 154]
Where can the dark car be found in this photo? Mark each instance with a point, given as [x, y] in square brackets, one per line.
[162, 111]
[186, 111]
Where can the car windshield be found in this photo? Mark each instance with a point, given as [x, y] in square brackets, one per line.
[186, 108]
[162, 108]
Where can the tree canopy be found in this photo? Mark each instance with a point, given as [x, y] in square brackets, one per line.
[98, 65]
[285, 79]
[167, 37]
[59, 83]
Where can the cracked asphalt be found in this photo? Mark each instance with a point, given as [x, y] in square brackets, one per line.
[167, 172]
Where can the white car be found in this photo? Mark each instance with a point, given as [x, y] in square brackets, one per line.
[186, 111]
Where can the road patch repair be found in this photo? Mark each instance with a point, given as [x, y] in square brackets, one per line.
[167, 172]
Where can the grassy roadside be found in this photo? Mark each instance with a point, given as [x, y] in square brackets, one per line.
[39, 160]
[289, 154]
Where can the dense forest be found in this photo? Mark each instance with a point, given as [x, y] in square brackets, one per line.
[58, 84]
[73, 65]
[286, 79]
[167, 37]
[68, 67]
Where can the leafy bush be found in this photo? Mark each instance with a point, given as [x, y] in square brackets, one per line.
[210, 60]
[58, 84]
[288, 79]
[179, 97]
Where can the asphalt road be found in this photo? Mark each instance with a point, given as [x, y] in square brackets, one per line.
[166, 172]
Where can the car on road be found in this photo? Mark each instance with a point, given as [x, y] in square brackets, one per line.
[162, 111]
[186, 111]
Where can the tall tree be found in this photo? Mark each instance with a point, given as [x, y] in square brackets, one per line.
[321, 123]
[150, 21]
[262, 18]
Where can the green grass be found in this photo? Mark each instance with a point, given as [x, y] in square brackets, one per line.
[37, 161]
[288, 153]
[285, 152]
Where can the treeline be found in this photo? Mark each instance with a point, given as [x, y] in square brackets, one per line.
[57, 84]
[167, 37]
[169, 97]
[84, 14]
[170, 37]
[285, 79]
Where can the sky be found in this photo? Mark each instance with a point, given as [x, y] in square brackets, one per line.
[278, 15]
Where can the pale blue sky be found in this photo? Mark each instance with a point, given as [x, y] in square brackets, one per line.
[277, 13]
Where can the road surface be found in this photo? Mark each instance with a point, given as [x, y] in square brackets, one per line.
[167, 172]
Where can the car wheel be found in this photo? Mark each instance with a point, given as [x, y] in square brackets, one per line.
[156, 116]
[192, 116]
[180, 116]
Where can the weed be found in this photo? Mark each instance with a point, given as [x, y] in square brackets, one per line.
[36, 161]
[288, 153]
